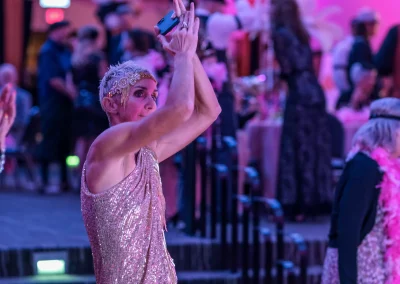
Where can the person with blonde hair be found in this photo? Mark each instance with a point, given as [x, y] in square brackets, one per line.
[7, 117]
[9, 75]
[123, 205]
[364, 239]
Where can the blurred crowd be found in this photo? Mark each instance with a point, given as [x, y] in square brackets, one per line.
[283, 87]
[72, 62]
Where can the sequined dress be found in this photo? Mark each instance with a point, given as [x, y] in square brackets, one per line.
[125, 225]
[370, 257]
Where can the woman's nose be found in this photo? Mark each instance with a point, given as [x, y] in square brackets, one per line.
[150, 104]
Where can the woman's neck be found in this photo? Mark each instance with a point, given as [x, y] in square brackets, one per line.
[356, 103]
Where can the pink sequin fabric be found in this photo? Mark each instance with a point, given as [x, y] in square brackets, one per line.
[370, 258]
[125, 225]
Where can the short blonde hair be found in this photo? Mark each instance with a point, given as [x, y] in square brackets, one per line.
[379, 131]
[119, 78]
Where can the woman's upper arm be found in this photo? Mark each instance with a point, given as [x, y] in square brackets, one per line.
[128, 137]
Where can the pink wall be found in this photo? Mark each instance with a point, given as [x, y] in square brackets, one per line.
[388, 9]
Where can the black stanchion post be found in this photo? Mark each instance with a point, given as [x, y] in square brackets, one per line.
[269, 254]
[280, 247]
[222, 177]
[190, 186]
[303, 267]
[277, 212]
[246, 201]
[287, 266]
[232, 163]
[291, 277]
[202, 158]
[301, 248]
[214, 201]
[235, 243]
[252, 178]
[216, 147]
[231, 144]
[251, 174]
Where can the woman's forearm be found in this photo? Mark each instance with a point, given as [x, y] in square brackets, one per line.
[182, 84]
[206, 102]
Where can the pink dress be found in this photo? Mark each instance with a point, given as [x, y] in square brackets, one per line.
[125, 225]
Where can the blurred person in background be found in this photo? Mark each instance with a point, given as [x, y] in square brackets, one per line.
[387, 61]
[304, 175]
[117, 18]
[366, 26]
[124, 16]
[7, 117]
[72, 40]
[9, 75]
[217, 26]
[137, 47]
[357, 109]
[56, 96]
[88, 67]
[340, 60]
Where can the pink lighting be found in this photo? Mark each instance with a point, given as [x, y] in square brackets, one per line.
[54, 15]
[388, 10]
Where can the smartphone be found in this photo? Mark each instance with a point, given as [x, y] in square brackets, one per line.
[166, 24]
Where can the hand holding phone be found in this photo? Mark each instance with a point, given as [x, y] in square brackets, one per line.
[184, 39]
[167, 23]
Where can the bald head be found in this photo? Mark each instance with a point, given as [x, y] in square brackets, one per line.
[8, 74]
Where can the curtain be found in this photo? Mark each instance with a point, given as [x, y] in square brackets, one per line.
[27, 18]
[13, 32]
[2, 38]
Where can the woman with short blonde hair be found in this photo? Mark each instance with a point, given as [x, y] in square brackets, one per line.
[123, 205]
[364, 239]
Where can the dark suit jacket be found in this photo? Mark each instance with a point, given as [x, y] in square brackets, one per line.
[354, 212]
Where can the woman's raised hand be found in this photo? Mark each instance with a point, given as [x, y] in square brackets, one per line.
[7, 112]
[184, 38]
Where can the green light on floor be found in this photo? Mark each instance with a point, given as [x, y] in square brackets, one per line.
[73, 161]
[49, 267]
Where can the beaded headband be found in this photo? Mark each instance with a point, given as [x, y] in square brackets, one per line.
[121, 86]
[388, 116]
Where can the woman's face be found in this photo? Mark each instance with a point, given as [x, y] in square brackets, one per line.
[141, 101]
[367, 84]
[128, 44]
[372, 28]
